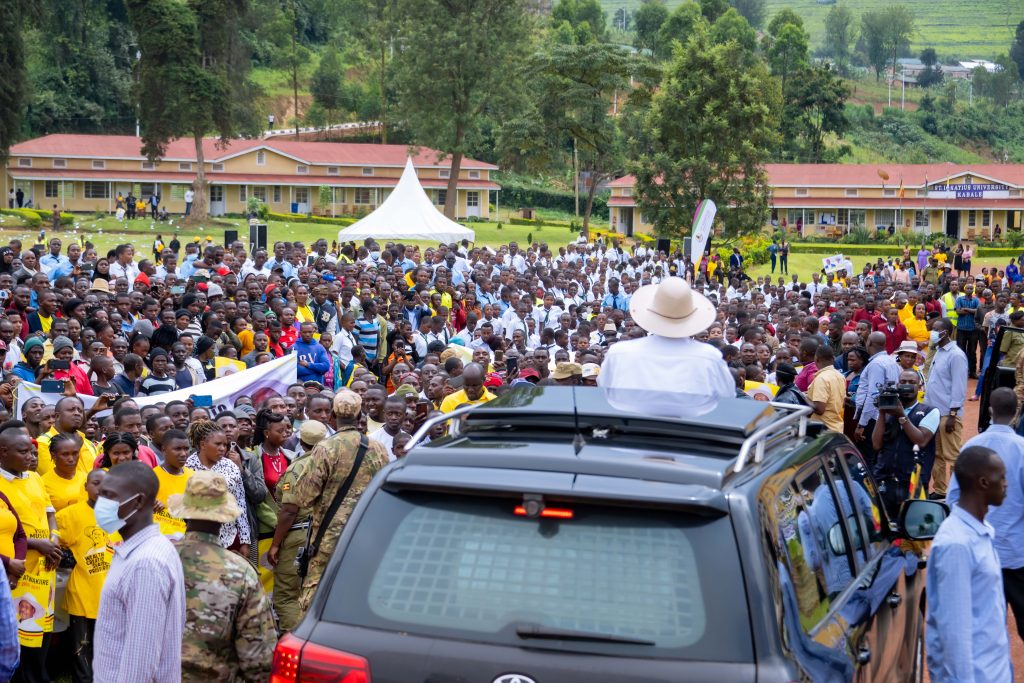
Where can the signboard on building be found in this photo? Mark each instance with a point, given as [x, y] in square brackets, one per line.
[969, 191]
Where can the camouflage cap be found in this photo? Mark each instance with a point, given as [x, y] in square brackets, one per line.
[347, 404]
[312, 432]
[206, 497]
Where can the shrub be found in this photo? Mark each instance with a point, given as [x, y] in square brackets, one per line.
[30, 217]
[47, 215]
[304, 218]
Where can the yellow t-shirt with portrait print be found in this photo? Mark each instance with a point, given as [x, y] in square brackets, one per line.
[93, 549]
[64, 492]
[32, 597]
[170, 484]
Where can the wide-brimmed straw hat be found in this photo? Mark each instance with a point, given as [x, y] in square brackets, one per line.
[671, 309]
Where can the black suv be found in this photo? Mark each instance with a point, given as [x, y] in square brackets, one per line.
[551, 538]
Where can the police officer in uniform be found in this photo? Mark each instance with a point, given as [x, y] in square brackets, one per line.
[290, 534]
[909, 425]
[330, 463]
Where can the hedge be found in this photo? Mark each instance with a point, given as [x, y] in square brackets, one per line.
[526, 197]
[303, 218]
[34, 218]
[884, 249]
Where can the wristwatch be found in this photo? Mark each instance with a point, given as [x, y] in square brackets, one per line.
[953, 412]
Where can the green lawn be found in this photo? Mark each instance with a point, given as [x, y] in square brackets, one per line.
[965, 30]
[106, 233]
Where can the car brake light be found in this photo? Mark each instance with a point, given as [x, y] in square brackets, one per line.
[557, 513]
[297, 661]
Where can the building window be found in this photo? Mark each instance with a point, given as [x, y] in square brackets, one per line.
[302, 169]
[367, 171]
[339, 195]
[184, 166]
[440, 197]
[843, 217]
[24, 163]
[97, 190]
[302, 195]
[277, 194]
[261, 158]
[472, 199]
[332, 170]
[986, 218]
[1014, 193]
[260, 193]
[445, 173]
[51, 189]
[858, 218]
[99, 164]
[885, 217]
[802, 192]
[60, 163]
[148, 165]
[474, 175]
[361, 195]
[921, 219]
[243, 194]
[217, 167]
[972, 218]
[216, 194]
[178, 192]
[852, 192]
[922, 193]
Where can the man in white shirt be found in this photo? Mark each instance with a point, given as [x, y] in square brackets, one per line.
[514, 259]
[394, 413]
[547, 316]
[345, 339]
[123, 266]
[190, 197]
[667, 373]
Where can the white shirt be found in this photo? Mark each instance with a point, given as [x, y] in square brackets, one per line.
[130, 272]
[547, 317]
[382, 437]
[670, 377]
[189, 196]
[342, 346]
[162, 273]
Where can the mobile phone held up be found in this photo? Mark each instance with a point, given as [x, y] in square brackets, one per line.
[52, 386]
[55, 364]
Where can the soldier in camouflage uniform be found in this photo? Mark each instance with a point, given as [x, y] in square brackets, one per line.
[229, 629]
[329, 466]
[290, 534]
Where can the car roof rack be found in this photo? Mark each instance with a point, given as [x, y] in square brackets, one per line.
[750, 426]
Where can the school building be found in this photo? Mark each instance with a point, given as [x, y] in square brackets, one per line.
[954, 200]
[85, 173]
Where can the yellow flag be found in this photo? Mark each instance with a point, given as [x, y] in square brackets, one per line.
[226, 366]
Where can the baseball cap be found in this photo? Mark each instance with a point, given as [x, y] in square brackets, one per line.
[312, 432]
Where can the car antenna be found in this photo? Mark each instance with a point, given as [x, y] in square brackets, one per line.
[577, 439]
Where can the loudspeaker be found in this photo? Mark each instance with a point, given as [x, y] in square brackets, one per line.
[687, 246]
[229, 237]
[257, 236]
[664, 244]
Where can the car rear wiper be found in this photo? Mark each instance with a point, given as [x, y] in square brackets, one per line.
[533, 631]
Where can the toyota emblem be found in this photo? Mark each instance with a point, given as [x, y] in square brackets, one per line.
[514, 678]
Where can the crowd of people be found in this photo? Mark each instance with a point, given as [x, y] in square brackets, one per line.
[120, 517]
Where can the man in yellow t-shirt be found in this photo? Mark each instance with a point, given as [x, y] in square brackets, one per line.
[93, 549]
[473, 390]
[69, 417]
[173, 477]
[827, 392]
[32, 597]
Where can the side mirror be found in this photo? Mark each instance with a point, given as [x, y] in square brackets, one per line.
[920, 519]
[836, 542]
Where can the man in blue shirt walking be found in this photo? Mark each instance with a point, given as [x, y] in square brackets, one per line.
[967, 328]
[965, 631]
[1008, 518]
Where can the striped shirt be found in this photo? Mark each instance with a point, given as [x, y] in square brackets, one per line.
[368, 332]
[142, 613]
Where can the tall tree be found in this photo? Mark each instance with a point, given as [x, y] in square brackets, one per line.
[707, 135]
[840, 34]
[572, 110]
[932, 72]
[815, 107]
[579, 12]
[886, 32]
[13, 86]
[752, 10]
[732, 26]
[712, 9]
[193, 77]
[375, 25]
[458, 65]
[328, 88]
[647, 21]
[680, 24]
[1017, 48]
[787, 51]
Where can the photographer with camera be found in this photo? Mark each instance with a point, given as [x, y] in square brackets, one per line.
[903, 425]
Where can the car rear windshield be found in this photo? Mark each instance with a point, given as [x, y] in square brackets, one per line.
[470, 568]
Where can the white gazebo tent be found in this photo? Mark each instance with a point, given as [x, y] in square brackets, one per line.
[407, 214]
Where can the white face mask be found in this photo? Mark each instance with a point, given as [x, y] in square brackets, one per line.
[934, 337]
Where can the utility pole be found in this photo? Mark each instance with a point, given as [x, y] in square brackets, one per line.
[576, 177]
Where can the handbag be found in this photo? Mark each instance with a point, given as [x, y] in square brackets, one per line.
[312, 546]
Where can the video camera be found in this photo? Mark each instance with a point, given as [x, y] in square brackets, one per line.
[888, 397]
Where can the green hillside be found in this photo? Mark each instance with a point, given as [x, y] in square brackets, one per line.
[979, 29]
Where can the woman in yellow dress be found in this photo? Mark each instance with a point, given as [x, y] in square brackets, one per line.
[65, 483]
[917, 326]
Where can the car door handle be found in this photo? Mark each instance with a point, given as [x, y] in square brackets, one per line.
[894, 600]
[863, 655]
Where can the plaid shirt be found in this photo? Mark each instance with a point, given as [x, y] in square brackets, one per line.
[142, 613]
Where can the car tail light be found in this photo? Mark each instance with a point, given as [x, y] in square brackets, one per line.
[556, 513]
[297, 661]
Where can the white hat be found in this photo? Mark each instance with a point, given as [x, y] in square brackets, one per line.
[671, 309]
[907, 347]
[591, 370]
